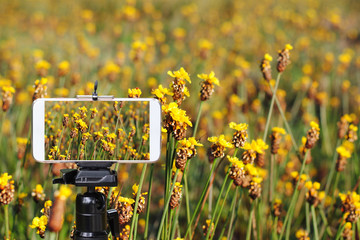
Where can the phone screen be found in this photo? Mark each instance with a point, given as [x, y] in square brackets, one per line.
[97, 130]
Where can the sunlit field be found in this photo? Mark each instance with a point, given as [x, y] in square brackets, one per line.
[260, 113]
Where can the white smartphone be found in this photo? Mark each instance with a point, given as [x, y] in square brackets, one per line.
[126, 130]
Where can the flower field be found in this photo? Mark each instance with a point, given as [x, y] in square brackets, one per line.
[260, 114]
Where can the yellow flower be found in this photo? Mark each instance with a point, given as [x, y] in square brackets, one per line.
[236, 161]
[180, 74]
[251, 169]
[268, 57]
[261, 144]
[342, 151]
[109, 68]
[64, 66]
[63, 193]
[190, 142]
[39, 223]
[255, 146]
[220, 140]
[83, 109]
[62, 92]
[94, 110]
[257, 179]
[135, 188]
[205, 44]
[160, 92]
[134, 93]
[278, 130]
[301, 234]
[126, 200]
[8, 89]
[4, 180]
[238, 127]
[209, 78]
[176, 113]
[353, 127]
[315, 125]
[48, 204]
[42, 64]
[288, 47]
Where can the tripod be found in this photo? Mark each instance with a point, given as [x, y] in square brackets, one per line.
[92, 217]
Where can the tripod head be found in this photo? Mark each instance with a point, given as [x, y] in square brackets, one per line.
[92, 217]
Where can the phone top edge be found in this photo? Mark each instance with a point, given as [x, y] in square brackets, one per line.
[97, 161]
[99, 100]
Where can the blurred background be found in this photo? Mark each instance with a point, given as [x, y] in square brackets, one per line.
[128, 44]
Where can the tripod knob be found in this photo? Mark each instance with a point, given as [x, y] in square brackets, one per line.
[113, 219]
[91, 217]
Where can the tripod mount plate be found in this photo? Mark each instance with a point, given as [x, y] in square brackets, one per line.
[89, 175]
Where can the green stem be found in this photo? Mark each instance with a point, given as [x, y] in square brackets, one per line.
[217, 204]
[288, 227]
[232, 210]
[325, 226]
[171, 222]
[271, 182]
[274, 229]
[137, 199]
[221, 209]
[175, 222]
[313, 213]
[332, 171]
[336, 183]
[271, 106]
[197, 119]
[339, 232]
[201, 198]
[166, 206]
[325, 129]
[187, 201]
[287, 126]
[307, 213]
[148, 202]
[248, 232]
[7, 228]
[257, 215]
[288, 216]
[236, 216]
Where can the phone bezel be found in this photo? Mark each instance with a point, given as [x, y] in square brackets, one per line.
[38, 129]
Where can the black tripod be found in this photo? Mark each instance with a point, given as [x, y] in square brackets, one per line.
[92, 218]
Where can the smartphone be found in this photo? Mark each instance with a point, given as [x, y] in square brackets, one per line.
[124, 130]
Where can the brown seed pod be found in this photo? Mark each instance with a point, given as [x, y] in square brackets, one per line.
[181, 158]
[243, 181]
[239, 138]
[206, 90]
[7, 193]
[175, 196]
[215, 151]
[311, 138]
[260, 159]
[254, 190]
[283, 60]
[275, 138]
[248, 156]
[341, 163]
[57, 215]
[342, 127]
[266, 69]
[277, 209]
